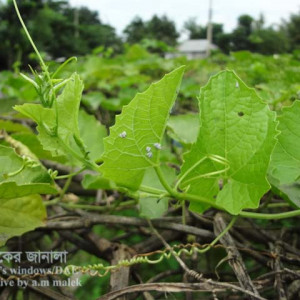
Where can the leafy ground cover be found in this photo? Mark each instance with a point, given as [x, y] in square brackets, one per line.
[153, 188]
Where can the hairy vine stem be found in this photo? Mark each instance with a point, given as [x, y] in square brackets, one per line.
[194, 198]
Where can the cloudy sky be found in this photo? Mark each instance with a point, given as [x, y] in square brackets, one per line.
[119, 13]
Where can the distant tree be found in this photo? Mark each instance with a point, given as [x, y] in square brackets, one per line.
[13, 43]
[269, 41]
[162, 29]
[197, 31]
[223, 41]
[158, 28]
[136, 31]
[194, 30]
[292, 28]
[240, 35]
[58, 29]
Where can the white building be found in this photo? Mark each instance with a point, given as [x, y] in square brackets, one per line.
[193, 49]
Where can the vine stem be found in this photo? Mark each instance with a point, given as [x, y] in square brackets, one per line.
[284, 215]
[181, 196]
[71, 174]
[198, 199]
[31, 41]
[228, 227]
[164, 183]
[148, 189]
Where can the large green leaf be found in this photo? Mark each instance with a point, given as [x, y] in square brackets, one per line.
[18, 179]
[58, 126]
[19, 215]
[229, 160]
[140, 125]
[285, 160]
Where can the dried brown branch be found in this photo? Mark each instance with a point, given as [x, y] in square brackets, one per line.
[88, 220]
[172, 287]
[234, 257]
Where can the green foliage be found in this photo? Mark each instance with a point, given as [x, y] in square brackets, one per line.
[196, 31]
[285, 163]
[130, 148]
[19, 215]
[227, 164]
[153, 208]
[229, 161]
[22, 176]
[58, 126]
[215, 157]
[292, 27]
[157, 28]
[268, 41]
[45, 19]
[184, 128]
[92, 134]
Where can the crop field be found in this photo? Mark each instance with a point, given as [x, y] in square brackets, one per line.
[157, 178]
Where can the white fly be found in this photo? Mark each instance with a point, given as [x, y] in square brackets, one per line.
[123, 135]
[148, 149]
[157, 146]
[237, 85]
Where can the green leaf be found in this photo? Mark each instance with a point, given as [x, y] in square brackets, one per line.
[285, 160]
[92, 134]
[183, 128]
[152, 207]
[229, 161]
[58, 126]
[140, 125]
[10, 126]
[290, 192]
[19, 215]
[32, 142]
[18, 179]
[151, 180]
[155, 207]
[96, 182]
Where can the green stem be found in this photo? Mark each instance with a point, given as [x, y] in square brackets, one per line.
[65, 188]
[148, 189]
[87, 163]
[228, 227]
[189, 171]
[163, 181]
[63, 65]
[30, 40]
[284, 215]
[198, 199]
[71, 174]
[52, 202]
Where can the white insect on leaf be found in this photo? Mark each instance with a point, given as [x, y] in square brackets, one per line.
[237, 84]
[157, 146]
[123, 134]
[148, 149]
[149, 154]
